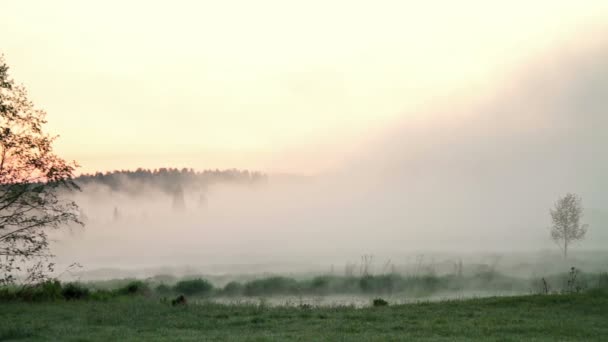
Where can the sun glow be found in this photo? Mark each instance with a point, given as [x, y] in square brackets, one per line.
[272, 85]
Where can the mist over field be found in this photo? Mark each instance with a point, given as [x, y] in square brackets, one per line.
[320, 170]
[471, 178]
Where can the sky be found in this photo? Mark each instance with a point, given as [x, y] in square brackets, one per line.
[277, 86]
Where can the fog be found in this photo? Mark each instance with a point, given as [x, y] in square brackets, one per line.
[473, 176]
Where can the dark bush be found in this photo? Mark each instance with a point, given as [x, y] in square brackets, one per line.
[194, 287]
[233, 288]
[135, 288]
[181, 300]
[333, 284]
[48, 290]
[379, 302]
[271, 286]
[74, 291]
[7, 294]
[321, 283]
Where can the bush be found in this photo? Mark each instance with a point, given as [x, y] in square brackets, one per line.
[74, 291]
[48, 290]
[135, 288]
[379, 302]
[321, 284]
[194, 287]
[233, 289]
[272, 286]
[7, 294]
[333, 284]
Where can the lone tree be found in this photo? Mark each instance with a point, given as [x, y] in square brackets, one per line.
[33, 185]
[566, 217]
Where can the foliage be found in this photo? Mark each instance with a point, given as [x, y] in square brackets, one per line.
[194, 287]
[272, 285]
[169, 180]
[31, 177]
[135, 288]
[50, 290]
[47, 290]
[566, 217]
[333, 284]
[379, 302]
[180, 300]
[74, 291]
[233, 288]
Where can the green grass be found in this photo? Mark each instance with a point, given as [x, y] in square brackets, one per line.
[582, 317]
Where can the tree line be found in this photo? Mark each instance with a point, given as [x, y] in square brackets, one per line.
[169, 180]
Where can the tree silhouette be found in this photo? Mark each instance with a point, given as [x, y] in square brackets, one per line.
[169, 179]
[32, 184]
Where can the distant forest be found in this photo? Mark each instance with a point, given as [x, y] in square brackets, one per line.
[169, 180]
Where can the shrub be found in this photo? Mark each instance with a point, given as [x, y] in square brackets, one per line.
[333, 284]
[7, 294]
[379, 302]
[233, 288]
[194, 287]
[74, 291]
[271, 286]
[135, 288]
[181, 300]
[48, 290]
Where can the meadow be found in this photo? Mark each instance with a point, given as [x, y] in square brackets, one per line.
[570, 306]
[558, 317]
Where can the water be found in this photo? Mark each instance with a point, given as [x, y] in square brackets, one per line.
[357, 301]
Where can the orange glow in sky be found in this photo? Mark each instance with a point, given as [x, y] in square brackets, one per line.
[280, 86]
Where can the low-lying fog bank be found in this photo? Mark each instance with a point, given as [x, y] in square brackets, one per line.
[338, 290]
[471, 181]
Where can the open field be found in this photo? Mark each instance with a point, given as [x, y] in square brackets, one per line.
[575, 317]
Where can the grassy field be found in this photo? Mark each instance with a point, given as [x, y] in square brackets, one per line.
[577, 317]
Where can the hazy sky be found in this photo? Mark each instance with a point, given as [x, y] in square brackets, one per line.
[281, 86]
